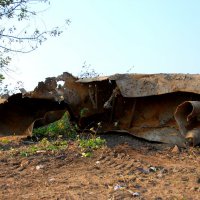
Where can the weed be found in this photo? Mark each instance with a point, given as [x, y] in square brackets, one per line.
[92, 143]
[5, 141]
[83, 112]
[61, 127]
[86, 154]
[24, 154]
[88, 145]
[44, 145]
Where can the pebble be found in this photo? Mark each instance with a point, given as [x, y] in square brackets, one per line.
[152, 169]
[160, 175]
[136, 194]
[51, 179]
[117, 187]
[24, 163]
[175, 149]
[39, 167]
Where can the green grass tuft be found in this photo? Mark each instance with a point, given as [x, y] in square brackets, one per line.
[61, 127]
[44, 145]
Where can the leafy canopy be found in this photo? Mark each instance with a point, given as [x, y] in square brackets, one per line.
[18, 34]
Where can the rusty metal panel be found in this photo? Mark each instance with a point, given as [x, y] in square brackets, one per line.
[90, 80]
[141, 85]
[165, 135]
[18, 113]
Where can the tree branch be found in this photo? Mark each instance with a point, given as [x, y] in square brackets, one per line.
[23, 38]
[18, 51]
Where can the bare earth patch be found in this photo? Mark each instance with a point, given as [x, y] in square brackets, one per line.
[126, 169]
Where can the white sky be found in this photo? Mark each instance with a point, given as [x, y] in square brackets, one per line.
[154, 36]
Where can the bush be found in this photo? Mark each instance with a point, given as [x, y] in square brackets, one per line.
[61, 127]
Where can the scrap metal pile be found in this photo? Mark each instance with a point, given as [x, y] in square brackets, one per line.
[157, 107]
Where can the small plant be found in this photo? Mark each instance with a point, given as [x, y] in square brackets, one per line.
[83, 112]
[93, 143]
[5, 141]
[60, 127]
[86, 154]
[44, 145]
[88, 145]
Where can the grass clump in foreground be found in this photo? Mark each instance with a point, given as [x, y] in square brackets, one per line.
[5, 141]
[88, 145]
[54, 130]
[44, 145]
[59, 133]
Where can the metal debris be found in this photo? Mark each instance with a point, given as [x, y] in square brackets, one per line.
[140, 104]
[187, 116]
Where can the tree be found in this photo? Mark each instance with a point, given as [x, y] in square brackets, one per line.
[14, 37]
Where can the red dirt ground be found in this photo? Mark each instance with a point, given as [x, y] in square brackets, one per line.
[126, 168]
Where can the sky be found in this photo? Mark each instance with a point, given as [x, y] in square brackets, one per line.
[115, 36]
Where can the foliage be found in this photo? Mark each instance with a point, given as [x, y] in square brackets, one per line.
[44, 145]
[1, 77]
[4, 140]
[61, 127]
[92, 143]
[13, 35]
[83, 112]
[88, 145]
[9, 89]
[19, 29]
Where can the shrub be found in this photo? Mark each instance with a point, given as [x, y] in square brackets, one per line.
[61, 127]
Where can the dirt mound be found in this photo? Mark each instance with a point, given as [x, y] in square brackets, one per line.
[136, 170]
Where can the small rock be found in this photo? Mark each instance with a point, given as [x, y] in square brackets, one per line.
[174, 170]
[175, 149]
[41, 151]
[51, 179]
[118, 187]
[39, 167]
[136, 194]
[160, 175]
[163, 171]
[152, 169]
[24, 163]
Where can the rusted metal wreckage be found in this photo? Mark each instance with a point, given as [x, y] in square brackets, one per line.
[157, 107]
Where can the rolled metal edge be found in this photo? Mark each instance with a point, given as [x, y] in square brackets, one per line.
[186, 115]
